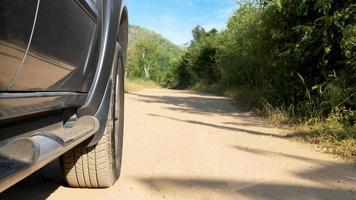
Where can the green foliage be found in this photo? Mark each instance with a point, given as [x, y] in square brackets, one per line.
[137, 84]
[295, 60]
[336, 135]
[298, 55]
[198, 64]
[143, 60]
[150, 55]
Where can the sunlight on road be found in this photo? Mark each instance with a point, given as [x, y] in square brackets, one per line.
[183, 145]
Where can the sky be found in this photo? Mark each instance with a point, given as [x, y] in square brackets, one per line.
[175, 19]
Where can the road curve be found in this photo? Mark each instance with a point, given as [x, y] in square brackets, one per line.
[184, 145]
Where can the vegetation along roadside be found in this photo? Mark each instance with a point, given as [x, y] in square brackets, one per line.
[293, 61]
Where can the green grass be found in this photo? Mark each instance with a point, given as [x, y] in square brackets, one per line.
[135, 85]
[330, 136]
[211, 89]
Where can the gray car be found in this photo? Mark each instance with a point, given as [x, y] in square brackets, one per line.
[62, 89]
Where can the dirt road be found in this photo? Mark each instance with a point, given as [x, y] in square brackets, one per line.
[182, 145]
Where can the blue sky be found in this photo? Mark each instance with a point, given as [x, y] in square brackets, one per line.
[174, 19]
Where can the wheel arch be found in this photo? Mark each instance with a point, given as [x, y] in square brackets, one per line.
[109, 31]
[123, 35]
[113, 28]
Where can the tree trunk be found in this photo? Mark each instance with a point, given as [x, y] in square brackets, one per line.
[146, 68]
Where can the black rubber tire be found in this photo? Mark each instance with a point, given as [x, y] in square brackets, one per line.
[99, 166]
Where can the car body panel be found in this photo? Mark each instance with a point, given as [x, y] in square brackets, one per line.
[14, 105]
[64, 78]
[110, 30]
[63, 60]
[16, 22]
[59, 51]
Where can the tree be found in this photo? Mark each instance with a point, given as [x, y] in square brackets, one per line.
[144, 60]
[198, 33]
[294, 54]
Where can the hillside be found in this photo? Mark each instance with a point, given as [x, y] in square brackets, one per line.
[150, 56]
[137, 33]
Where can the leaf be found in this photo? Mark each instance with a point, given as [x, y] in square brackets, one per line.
[301, 78]
[315, 87]
[327, 50]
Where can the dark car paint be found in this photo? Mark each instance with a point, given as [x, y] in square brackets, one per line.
[99, 65]
[13, 106]
[109, 26]
[59, 49]
[81, 94]
[16, 21]
[90, 6]
[94, 104]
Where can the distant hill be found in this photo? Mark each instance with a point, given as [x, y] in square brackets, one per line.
[137, 33]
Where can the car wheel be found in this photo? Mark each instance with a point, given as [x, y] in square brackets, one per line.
[99, 166]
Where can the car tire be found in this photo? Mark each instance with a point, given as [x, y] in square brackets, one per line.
[99, 166]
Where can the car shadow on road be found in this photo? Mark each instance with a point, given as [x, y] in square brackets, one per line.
[38, 186]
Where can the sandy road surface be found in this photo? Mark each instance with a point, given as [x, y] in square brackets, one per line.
[182, 145]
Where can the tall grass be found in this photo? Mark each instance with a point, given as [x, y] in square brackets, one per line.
[138, 84]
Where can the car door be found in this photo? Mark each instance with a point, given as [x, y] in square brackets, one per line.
[16, 23]
[60, 53]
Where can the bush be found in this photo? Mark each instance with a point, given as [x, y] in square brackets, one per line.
[294, 54]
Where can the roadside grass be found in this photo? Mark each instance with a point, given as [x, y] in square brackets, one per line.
[243, 98]
[332, 135]
[135, 85]
[211, 89]
[329, 136]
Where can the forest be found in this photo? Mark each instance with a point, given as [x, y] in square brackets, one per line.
[291, 61]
